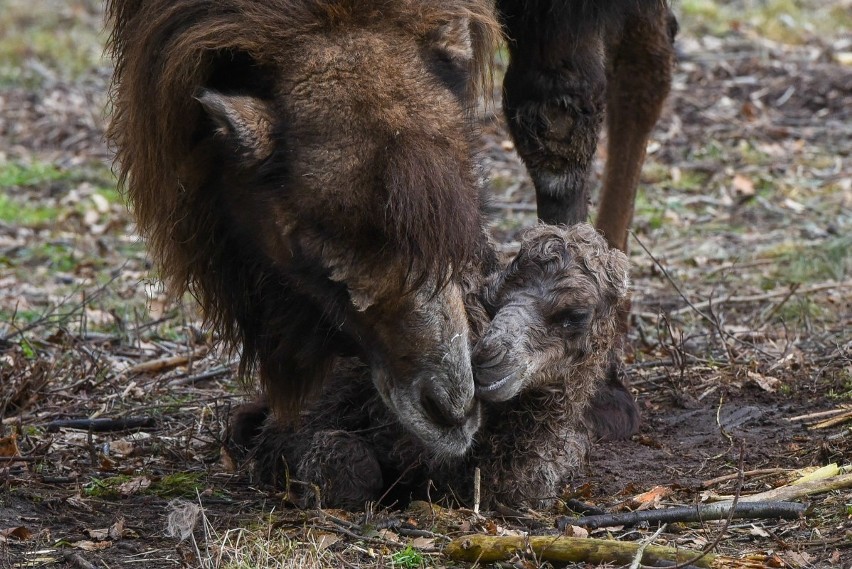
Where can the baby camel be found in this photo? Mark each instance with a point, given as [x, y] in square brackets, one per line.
[546, 324]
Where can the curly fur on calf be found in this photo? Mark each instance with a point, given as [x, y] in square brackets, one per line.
[554, 314]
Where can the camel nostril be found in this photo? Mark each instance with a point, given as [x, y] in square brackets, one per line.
[439, 410]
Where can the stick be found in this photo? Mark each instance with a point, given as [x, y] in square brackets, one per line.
[717, 511]
[637, 559]
[192, 379]
[821, 414]
[102, 425]
[735, 475]
[163, 364]
[793, 491]
[838, 420]
[477, 477]
[490, 549]
[698, 306]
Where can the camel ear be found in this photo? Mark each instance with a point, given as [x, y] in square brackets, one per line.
[244, 121]
[454, 40]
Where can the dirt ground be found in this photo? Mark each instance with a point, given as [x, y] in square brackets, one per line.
[741, 335]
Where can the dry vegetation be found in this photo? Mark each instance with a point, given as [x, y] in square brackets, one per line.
[743, 310]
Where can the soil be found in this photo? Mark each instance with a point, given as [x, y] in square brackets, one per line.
[742, 323]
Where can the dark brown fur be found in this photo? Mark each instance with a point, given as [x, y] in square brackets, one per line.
[555, 312]
[304, 168]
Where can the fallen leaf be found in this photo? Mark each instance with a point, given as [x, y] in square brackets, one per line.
[19, 532]
[652, 496]
[800, 558]
[9, 446]
[423, 542]
[325, 540]
[133, 486]
[576, 531]
[389, 535]
[743, 186]
[86, 545]
[116, 530]
[97, 534]
[765, 382]
[758, 532]
[121, 448]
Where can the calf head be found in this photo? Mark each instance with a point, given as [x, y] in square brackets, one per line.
[305, 167]
[555, 313]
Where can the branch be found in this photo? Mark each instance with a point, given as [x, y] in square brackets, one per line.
[793, 491]
[702, 513]
[102, 425]
[489, 549]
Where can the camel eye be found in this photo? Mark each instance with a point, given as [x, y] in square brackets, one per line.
[572, 318]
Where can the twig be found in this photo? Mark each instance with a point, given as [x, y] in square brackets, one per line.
[820, 414]
[701, 513]
[793, 491]
[839, 420]
[750, 473]
[192, 379]
[698, 306]
[637, 560]
[102, 425]
[477, 477]
[21, 458]
[163, 364]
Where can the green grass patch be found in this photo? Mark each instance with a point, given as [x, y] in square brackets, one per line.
[408, 558]
[825, 261]
[26, 175]
[787, 21]
[15, 212]
[66, 37]
[178, 484]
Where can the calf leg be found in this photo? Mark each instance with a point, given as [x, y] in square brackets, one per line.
[638, 80]
[553, 98]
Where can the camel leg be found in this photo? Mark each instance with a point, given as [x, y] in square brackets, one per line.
[553, 98]
[638, 81]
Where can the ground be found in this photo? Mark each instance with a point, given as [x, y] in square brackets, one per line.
[742, 312]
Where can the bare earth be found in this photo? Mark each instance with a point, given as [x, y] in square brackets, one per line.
[742, 322]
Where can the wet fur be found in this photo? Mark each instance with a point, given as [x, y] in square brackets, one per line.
[527, 447]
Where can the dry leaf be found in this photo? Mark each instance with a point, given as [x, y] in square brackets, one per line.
[97, 534]
[325, 540]
[9, 446]
[576, 531]
[116, 530]
[121, 448]
[133, 486]
[423, 542]
[766, 382]
[743, 186]
[652, 496]
[86, 545]
[19, 532]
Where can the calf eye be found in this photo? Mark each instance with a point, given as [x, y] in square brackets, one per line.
[572, 318]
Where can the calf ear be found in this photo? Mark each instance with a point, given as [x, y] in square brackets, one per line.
[244, 121]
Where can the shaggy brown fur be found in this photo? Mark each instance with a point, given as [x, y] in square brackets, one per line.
[304, 168]
[555, 312]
